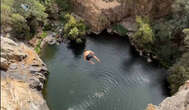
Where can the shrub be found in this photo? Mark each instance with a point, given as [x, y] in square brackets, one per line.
[43, 35]
[74, 30]
[120, 29]
[25, 16]
[29, 8]
[180, 70]
[168, 44]
[6, 11]
[144, 36]
[179, 73]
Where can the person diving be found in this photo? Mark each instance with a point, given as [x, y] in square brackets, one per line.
[88, 55]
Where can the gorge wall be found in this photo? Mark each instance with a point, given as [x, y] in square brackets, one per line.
[23, 75]
[180, 101]
[100, 14]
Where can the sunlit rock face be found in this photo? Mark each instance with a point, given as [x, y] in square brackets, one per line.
[100, 14]
[23, 75]
[180, 101]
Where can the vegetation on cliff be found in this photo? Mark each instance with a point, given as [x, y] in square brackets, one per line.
[180, 70]
[27, 18]
[165, 38]
[144, 37]
[120, 29]
[173, 43]
[24, 16]
[74, 30]
[169, 35]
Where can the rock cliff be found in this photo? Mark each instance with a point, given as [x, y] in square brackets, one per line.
[23, 75]
[180, 101]
[100, 14]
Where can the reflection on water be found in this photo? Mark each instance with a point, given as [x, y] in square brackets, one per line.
[122, 81]
[49, 52]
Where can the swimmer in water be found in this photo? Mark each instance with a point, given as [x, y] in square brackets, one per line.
[88, 55]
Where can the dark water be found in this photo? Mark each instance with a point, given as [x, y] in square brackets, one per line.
[122, 81]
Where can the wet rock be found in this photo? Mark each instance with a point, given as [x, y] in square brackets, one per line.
[50, 39]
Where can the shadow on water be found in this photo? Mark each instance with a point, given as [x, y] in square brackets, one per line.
[77, 49]
[49, 52]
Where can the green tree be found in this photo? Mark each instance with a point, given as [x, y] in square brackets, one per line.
[144, 35]
[180, 70]
[74, 30]
[23, 15]
[28, 8]
[6, 11]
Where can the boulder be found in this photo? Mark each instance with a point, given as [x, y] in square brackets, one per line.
[50, 39]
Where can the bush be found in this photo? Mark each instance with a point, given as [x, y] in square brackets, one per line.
[179, 73]
[65, 5]
[168, 44]
[25, 16]
[144, 36]
[43, 35]
[120, 29]
[29, 8]
[6, 11]
[74, 30]
[180, 70]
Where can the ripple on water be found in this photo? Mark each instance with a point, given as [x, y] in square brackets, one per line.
[120, 82]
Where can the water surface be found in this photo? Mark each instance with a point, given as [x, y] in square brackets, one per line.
[122, 81]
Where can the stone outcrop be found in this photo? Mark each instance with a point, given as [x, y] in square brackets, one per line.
[9, 50]
[100, 14]
[180, 101]
[49, 39]
[23, 75]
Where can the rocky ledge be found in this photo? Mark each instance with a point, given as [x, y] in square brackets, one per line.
[180, 101]
[23, 75]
